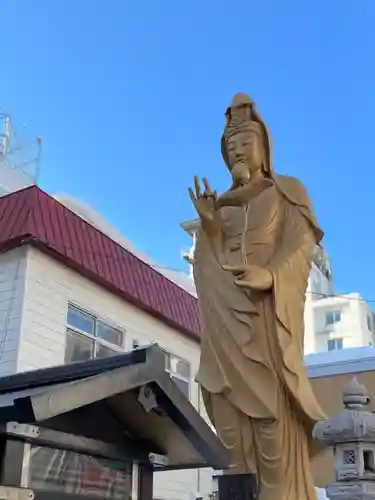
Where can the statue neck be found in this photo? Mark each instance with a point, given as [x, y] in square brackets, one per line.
[257, 175]
[241, 196]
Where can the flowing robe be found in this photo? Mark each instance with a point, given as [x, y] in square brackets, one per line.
[252, 373]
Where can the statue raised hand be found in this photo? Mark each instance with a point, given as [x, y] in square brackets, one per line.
[204, 203]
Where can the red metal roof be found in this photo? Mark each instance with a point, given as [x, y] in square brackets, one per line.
[31, 216]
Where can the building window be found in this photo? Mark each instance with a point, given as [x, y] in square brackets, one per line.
[334, 344]
[88, 336]
[333, 317]
[179, 370]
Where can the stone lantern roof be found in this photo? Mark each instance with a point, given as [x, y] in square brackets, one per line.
[355, 423]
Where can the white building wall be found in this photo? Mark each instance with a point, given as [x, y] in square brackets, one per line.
[318, 287]
[352, 327]
[12, 290]
[49, 288]
[309, 339]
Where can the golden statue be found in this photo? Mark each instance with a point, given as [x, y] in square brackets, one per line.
[251, 267]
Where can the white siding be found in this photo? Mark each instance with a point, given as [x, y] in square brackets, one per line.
[50, 286]
[12, 288]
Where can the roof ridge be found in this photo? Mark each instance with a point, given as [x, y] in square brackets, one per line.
[17, 192]
[16, 208]
[33, 201]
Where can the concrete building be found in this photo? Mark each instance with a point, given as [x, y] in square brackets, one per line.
[69, 292]
[333, 321]
[343, 321]
[319, 286]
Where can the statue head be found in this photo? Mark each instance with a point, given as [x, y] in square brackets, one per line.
[245, 143]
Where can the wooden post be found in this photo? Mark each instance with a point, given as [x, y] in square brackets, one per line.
[15, 466]
[145, 482]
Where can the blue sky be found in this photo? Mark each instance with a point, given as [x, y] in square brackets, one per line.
[129, 98]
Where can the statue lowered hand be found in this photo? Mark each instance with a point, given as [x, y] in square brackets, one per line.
[251, 276]
[204, 203]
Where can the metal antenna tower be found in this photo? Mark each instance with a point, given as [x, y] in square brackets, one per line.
[5, 133]
[19, 157]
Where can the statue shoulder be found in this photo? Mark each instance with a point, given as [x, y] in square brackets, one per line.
[296, 193]
[293, 186]
[294, 189]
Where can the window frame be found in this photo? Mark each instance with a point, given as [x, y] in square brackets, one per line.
[69, 333]
[334, 313]
[335, 341]
[93, 337]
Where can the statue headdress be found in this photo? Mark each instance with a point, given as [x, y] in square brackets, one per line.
[240, 115]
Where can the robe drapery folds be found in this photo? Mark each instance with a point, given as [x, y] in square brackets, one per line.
[252, 344]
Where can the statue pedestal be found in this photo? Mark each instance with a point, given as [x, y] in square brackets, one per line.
[237, 487]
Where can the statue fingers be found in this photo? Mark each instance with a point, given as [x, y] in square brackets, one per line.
[254, 284]
[192, 196]
[208, 193]
[244, 283]
[207, 188]
[241, 272]
[235, 269]
[198, 191]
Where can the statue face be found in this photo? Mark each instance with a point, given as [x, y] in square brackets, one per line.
[245, 153]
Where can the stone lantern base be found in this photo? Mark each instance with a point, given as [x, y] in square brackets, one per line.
[360, 490]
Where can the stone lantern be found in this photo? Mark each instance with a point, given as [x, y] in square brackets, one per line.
[351, 433]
